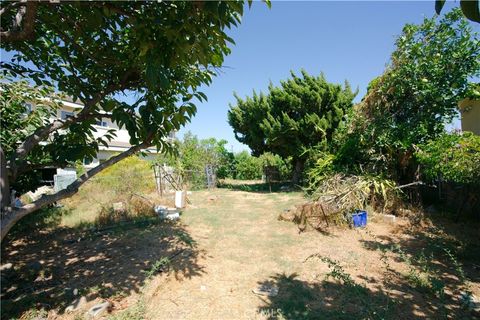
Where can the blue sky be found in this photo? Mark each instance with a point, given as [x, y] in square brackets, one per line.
[345, 40]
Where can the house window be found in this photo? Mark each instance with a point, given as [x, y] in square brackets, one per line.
[101, 123]
[65, 114]
[87, 161]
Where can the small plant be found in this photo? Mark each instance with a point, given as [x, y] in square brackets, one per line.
[185, 238]
[108, 215]
[158, 266]
[456, 265]
[425, 282]
[336, 272]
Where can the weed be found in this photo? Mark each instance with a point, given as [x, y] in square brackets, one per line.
[35, 314]
[336, 270]
[136, 312]
[456, 265]
[158, 266]
[185, 238]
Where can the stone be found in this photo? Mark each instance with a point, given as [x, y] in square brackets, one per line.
[77, 304]
[99, 310]
[389, 218]
[286, 215]
[159, 209]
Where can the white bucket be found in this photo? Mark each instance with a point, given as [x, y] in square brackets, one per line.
[180, 199]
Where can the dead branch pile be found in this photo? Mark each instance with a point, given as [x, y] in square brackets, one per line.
[339, 196]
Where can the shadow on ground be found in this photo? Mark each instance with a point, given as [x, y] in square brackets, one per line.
[258, 187]
[297, 300]
[47, 267]
[450, 250]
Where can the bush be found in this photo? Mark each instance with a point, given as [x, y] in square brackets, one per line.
[129, 176]
[247, 167]
[452, 157]
[322, 168]
[195, 154]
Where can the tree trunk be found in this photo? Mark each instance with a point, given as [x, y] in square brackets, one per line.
[12, 216]
[298, 171]
[4, 183]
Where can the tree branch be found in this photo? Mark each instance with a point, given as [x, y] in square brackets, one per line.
[25, 18]
[12, 216]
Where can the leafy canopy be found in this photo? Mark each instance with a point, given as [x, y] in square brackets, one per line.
[302, 112]
[428, 75]
[417, 95]
[156, 53]
[452, 157]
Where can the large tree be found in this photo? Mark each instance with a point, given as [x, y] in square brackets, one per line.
[417, 95]
[301, 113]
[158, 53]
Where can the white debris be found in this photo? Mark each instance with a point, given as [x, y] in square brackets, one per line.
[99, 310]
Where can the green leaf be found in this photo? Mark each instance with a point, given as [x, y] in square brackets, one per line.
[471, 9]
[439, 5]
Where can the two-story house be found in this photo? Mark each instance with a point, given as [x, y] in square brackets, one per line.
[120, 142]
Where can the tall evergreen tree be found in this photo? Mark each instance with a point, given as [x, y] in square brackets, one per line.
[302, 112]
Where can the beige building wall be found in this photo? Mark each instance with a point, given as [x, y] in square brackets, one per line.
[470, 110]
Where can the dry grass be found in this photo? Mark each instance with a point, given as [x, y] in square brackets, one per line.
[126, 182]
[372, 273]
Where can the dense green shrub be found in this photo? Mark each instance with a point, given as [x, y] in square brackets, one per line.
[247, 167]
[452, 157]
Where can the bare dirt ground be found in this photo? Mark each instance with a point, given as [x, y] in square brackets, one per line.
[228, 243]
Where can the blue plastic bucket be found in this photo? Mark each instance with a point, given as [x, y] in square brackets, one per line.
[359, 219]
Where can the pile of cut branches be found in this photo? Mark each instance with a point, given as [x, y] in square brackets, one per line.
[338, 196]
